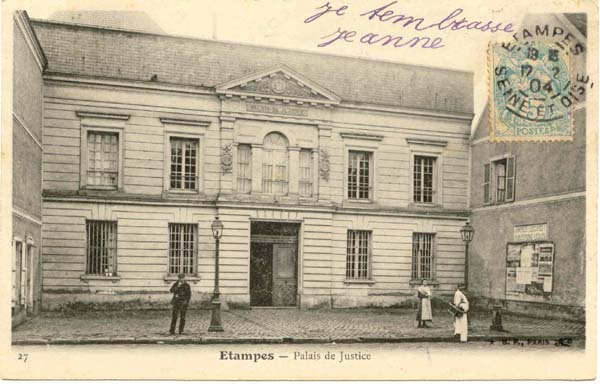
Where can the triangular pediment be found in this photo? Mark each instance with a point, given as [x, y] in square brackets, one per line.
[279, 83]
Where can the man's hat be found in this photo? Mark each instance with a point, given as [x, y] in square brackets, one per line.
[181, 275]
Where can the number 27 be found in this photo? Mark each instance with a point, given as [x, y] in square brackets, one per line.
[23, 357]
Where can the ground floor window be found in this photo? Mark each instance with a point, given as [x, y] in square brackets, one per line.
[101, 248]
[422, 256]
[358, 251]
[182, 248]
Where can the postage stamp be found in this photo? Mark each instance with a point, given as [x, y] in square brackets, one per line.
[531, 92]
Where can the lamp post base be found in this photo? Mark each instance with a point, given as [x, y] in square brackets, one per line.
[215, 320]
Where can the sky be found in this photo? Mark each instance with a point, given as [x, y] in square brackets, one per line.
[281, 23]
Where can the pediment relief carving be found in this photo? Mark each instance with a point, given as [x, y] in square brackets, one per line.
[278, 83]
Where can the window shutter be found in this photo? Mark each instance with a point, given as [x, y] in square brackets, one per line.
[510, 178]
[487, 176]
[23, 276]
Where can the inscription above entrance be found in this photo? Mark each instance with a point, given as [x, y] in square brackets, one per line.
[276, 109]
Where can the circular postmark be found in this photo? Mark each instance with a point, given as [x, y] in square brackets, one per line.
[530, 91]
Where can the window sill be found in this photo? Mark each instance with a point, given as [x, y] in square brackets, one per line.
[114, 279]
[359, 282]
[359, 201]
[173, 278]
[183, 192]
[425, 205]
[91, 189]
[415, 282]
[499, 202]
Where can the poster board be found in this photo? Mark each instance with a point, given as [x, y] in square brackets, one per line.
[529, 270]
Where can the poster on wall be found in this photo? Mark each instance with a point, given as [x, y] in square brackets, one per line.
[529, 270]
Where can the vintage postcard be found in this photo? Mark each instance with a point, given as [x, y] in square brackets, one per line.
[300, 189]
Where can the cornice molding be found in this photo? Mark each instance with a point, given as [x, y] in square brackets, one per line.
[102, 115]
[141, 85]
[427, 142]
[361, 136]
[22, 20]
[199, 123]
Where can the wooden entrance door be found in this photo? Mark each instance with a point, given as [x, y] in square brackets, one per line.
[284, 275]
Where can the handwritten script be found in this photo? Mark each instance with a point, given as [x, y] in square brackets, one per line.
[387, 14]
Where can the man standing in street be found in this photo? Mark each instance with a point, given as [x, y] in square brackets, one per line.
[181, 299]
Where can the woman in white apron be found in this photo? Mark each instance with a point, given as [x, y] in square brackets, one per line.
[424, 313]
[461, 325]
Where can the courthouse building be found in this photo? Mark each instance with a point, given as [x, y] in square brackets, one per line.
[340, 181]
[528, 207]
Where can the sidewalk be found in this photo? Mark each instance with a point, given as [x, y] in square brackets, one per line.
[262, 325]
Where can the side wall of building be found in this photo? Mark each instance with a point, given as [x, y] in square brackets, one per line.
[26, 172]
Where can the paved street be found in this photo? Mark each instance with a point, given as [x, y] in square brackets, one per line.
[260, 325]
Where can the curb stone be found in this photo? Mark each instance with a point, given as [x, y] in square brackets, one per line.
[276, 340]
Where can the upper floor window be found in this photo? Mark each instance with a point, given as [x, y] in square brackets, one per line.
[358, 255]
[306, 172]
[103, 159]
[184, 164]
[360, 178]
[423, 256]
[101, 248]
[275, 164]
[423, 179]
[499, 181]
[244, 168]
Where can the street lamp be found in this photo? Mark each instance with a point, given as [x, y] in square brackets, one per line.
[466, 232]
[215, 320]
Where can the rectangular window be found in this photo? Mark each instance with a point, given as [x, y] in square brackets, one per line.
[182, 248]
[359, 175]
[103, 159]
[101, 248]
[244, 168]
[358, 251]
[422, 256]
[504, 172]
[306, 172]
[487, 177]
[184, 160]
[423, 178]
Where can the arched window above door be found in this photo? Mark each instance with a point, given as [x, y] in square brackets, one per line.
[275, 173]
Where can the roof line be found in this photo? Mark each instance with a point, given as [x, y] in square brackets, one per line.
[171, 36]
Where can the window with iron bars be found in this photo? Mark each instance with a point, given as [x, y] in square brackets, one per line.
[244, 168]
[306, 172]
[358, 254]
[101, 248]
[359, 175]
[182, 248]
[184, 160]
[422, 256]
[103, 159]
[423, 179]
